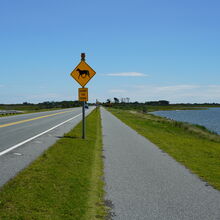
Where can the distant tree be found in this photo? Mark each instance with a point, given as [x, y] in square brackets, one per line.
[26, 103]
[163, 102]
[144, 109]
[116, 100]
[156, 103]
[108, 101]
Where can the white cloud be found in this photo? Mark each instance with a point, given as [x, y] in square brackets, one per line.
[117, 91]
[177, 88]
[35, 98]
[46, 96]
[136, 74]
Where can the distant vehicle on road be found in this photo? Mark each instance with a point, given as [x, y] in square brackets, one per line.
[86, 106]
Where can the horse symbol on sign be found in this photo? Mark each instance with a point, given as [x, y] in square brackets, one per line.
[83, 73]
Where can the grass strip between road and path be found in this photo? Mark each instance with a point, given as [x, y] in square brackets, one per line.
[194, 146]
[65, 182]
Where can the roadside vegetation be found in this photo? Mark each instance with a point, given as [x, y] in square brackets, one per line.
[145, 107]
[151, 106]
[194, 146]
[26, 112]
[65, 182]
[26, 107]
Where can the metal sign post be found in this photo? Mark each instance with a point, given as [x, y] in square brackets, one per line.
[83, 55]
[82, 74]
[83, 121]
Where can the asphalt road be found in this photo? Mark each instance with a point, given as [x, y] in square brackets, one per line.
[144, 183]
[24, 137]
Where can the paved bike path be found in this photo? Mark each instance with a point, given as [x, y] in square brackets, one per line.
[142, 182]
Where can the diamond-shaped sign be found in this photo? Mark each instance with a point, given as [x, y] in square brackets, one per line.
[83, 73]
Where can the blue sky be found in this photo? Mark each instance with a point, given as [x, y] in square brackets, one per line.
[141, 49]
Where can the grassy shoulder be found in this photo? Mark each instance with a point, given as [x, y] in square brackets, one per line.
[63, 183]
[174, 107]
[193, 146]
[151, 108]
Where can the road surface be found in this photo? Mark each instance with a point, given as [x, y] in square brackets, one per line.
[24, 137]
[144, 183]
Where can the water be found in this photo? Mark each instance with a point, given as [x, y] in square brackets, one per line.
[209, 118]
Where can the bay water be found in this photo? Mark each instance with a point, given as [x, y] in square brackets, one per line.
[209, 118]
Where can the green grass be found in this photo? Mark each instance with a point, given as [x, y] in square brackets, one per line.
[194, 146]
[151, 108]
[174, 107]
[65, 182]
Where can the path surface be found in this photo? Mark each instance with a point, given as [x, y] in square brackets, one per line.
[144, 183]
[15, 130]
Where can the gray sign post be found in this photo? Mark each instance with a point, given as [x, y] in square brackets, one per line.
[83, 55]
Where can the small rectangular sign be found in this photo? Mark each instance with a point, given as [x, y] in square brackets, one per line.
[83, 94]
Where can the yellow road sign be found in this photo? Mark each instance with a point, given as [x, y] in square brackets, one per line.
[83, 73]
[83, 94]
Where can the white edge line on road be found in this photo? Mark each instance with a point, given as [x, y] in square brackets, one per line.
[38, 135]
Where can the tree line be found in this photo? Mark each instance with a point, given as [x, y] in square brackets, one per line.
[41, 105]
